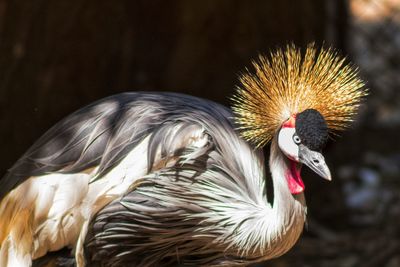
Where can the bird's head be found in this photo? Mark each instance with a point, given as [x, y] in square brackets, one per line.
[301, 139]
[298, 98]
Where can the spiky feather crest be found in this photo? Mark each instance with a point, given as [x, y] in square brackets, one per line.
[289, 82]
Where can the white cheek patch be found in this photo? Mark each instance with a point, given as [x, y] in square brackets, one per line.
[287, 145]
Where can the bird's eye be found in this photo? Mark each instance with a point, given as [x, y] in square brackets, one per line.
[296, 139]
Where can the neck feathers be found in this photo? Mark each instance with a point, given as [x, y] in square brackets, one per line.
[263, 232]
[288, 210]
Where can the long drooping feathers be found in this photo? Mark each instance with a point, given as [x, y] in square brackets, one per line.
[289, 82]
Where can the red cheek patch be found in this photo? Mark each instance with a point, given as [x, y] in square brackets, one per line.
[295, 183]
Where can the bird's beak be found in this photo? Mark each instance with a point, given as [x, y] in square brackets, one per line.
[315, 161]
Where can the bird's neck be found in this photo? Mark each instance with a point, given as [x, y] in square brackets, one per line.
[289, 210]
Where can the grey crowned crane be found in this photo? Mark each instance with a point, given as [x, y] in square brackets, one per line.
[157, 179]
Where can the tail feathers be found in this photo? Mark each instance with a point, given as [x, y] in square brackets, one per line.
[16, 235]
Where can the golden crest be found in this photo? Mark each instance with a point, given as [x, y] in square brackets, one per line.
[289, 82]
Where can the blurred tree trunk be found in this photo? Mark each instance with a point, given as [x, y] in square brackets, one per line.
[56, 56]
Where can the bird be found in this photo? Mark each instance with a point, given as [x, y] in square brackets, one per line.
[166, 179]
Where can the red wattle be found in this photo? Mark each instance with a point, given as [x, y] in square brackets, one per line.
[295, 183]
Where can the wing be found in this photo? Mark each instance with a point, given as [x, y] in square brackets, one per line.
[102, 134]
[184, 214]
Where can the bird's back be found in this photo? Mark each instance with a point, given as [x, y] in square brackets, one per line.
[101, 134]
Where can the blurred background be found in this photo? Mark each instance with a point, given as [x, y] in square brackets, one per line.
[57, 56]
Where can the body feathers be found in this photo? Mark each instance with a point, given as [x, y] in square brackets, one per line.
[173, 155]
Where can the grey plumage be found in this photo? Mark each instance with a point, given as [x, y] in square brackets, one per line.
[202, 201]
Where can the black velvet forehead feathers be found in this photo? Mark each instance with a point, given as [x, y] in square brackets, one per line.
[312, 129]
